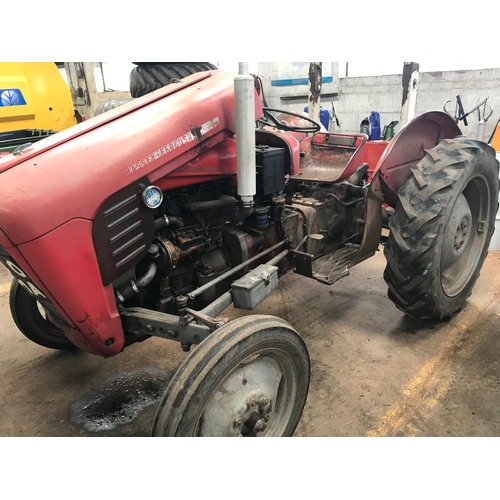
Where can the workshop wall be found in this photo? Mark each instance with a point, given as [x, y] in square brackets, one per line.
[359, 96]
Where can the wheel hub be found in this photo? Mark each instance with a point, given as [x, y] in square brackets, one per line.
[254, 419]
[461, 233]
[458, 232]
[243, 403]
[253, 425]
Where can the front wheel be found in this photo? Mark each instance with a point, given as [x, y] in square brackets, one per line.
[31, 319]
[441, 228]
[248, 378]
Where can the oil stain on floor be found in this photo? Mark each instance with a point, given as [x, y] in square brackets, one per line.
[119, 400]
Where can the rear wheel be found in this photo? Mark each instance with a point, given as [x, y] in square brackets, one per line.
[30, 317]
[248, 378]
[153, 76]
[441, 228]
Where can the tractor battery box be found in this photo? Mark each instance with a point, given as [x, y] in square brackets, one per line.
[250, 290]
[270, 167]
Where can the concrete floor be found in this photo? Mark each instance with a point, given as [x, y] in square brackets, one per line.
[375, 372]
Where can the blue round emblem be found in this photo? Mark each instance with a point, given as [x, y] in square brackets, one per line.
[152, 196]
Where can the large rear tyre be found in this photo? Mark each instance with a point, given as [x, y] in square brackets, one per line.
[248, 378]
[153, 76]
[31, 320]
[441, 228]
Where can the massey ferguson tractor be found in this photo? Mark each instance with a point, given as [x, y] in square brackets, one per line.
[152, 218]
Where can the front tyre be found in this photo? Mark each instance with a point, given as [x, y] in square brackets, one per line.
[248, 378]
[441, 228]
[31, 319]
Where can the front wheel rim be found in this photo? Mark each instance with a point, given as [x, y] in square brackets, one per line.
[256, 398]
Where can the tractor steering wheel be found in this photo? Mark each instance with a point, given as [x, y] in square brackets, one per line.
[272, 121]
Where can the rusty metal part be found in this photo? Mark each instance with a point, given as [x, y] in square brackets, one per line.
[330, 157]
[315, 85]
[212, 323]
[316, 213]
[192, 295]
[293, 225]
[327, 267]
[140, 321]
[211, 265]
[241, 244]
[196, 249]
[186, 241]
[460, 234]
[189, 245]
[373, 223]
[172, 253]
[254, 424]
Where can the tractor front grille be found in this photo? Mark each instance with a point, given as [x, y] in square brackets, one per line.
[122, 232]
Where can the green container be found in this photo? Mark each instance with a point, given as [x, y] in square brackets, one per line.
[388, 133]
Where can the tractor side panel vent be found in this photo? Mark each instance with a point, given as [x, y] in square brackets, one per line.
[122, 232]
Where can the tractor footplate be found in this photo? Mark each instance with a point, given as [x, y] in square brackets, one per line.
[327, 268]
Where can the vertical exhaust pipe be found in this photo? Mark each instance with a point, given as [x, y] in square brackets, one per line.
[245, 134]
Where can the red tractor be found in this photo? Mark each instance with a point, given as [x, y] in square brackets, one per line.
[152, 218]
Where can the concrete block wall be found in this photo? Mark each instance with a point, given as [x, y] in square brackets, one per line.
[359, 96]
[100, 97]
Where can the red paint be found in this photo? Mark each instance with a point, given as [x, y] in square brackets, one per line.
[73, 179]
[75, 285]
[50, 193]
[372, 151]
[66, 177]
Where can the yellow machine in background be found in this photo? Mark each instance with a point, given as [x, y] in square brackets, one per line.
[34, 96]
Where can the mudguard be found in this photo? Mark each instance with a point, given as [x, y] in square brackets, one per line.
[393, 169]
[408, 147]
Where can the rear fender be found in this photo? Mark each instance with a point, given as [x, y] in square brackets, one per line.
[393, 170]
[408, 147]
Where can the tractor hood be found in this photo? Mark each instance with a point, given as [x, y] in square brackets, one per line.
[71, 174]
[53, 141]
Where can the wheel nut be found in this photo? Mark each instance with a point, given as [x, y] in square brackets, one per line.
[260, 425]
[264, 400]
[238, 422]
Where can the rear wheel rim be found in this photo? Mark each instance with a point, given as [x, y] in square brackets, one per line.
[465, 236]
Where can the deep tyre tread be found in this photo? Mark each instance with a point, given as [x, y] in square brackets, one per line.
[192, 385]
[152, 76]
[417, 227]
[31, 323]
